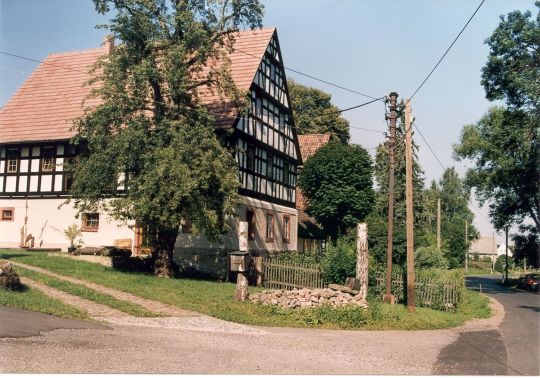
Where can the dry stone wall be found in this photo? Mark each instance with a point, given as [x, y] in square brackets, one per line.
[306, 298]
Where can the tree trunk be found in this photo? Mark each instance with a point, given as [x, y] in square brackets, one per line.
[163, 251]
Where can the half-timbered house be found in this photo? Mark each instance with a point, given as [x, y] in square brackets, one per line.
[36, 129]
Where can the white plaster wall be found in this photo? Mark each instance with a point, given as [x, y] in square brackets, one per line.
[43, 214]
[230, 240]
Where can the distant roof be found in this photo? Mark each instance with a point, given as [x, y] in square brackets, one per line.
[310, 143]
[45, 106]
[484, 245]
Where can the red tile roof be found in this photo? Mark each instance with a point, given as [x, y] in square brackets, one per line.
[52, 97]
[310, 143]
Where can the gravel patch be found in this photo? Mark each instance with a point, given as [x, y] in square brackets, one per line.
[198, 323]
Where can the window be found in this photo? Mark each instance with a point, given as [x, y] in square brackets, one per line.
[269, 227]
[250, 218]
[90, 222]
[12, 161]
[7, 214]
[270, 166]
[250, 158]
[286, 228]
[47, 161]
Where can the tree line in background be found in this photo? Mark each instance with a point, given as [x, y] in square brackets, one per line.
[503, 145]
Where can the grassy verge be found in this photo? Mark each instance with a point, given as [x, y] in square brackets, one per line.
[216, 299]
[86, 293]
[35, 300]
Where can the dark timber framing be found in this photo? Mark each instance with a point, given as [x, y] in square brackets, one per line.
[265, 143]
[30, 179]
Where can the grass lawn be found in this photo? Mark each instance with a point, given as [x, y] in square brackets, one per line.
[35, 300]
[86, 293]
[216, 299]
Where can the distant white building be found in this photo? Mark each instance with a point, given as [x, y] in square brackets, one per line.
[501, 250]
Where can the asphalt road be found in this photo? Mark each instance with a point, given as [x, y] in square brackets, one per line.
[20, 323]
[510, 349]
[208, 346]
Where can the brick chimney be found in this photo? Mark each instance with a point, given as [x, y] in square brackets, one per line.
[108, 42]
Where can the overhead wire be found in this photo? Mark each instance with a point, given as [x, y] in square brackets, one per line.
[447, 50]
[427, 78]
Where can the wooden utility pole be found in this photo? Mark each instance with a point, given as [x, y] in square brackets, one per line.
[392, 117]
[466, 246]
[409, 206]
[439, 224]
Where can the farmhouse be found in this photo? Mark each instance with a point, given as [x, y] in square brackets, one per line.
[36, 127]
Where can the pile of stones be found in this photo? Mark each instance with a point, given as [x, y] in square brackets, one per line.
[334, 296]
[9, 279]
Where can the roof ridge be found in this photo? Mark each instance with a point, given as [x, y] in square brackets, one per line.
[95, 49]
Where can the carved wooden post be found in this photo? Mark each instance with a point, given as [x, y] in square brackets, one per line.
[241, 292]
[362, 258]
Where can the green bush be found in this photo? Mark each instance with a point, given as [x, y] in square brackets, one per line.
[339, 260]
[429, 257]
[500, 263]
[299, 257]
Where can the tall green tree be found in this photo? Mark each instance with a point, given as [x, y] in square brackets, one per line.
[151, 127]
[337, 184]
[454, 195]
[504, 144]
[314, 112]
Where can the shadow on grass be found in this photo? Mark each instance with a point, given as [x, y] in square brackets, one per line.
[8, 256]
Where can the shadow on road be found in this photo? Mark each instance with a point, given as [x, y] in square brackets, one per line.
[533, 308]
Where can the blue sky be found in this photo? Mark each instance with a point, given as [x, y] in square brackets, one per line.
[371, 46]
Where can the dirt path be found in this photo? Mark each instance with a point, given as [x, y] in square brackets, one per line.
[149, 304]
[95, 310]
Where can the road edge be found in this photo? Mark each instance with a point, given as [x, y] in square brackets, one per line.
[493, 322]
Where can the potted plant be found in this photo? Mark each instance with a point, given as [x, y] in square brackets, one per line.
[72, 232]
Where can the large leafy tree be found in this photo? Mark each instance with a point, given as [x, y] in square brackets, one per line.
[337, 184]
[504, 144]
[314, 112]
[151, 128]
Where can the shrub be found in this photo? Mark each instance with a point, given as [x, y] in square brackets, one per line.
[339, 260]
[500, 263]
[429, 257]
[9, 279]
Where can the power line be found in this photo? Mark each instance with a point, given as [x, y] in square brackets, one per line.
[444, 168]
[447, 50]
[40, 61]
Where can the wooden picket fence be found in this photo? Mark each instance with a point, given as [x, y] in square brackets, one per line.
[429, 292]
[287, 275]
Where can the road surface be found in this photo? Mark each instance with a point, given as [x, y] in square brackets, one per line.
[510, 349]
[177, 345]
